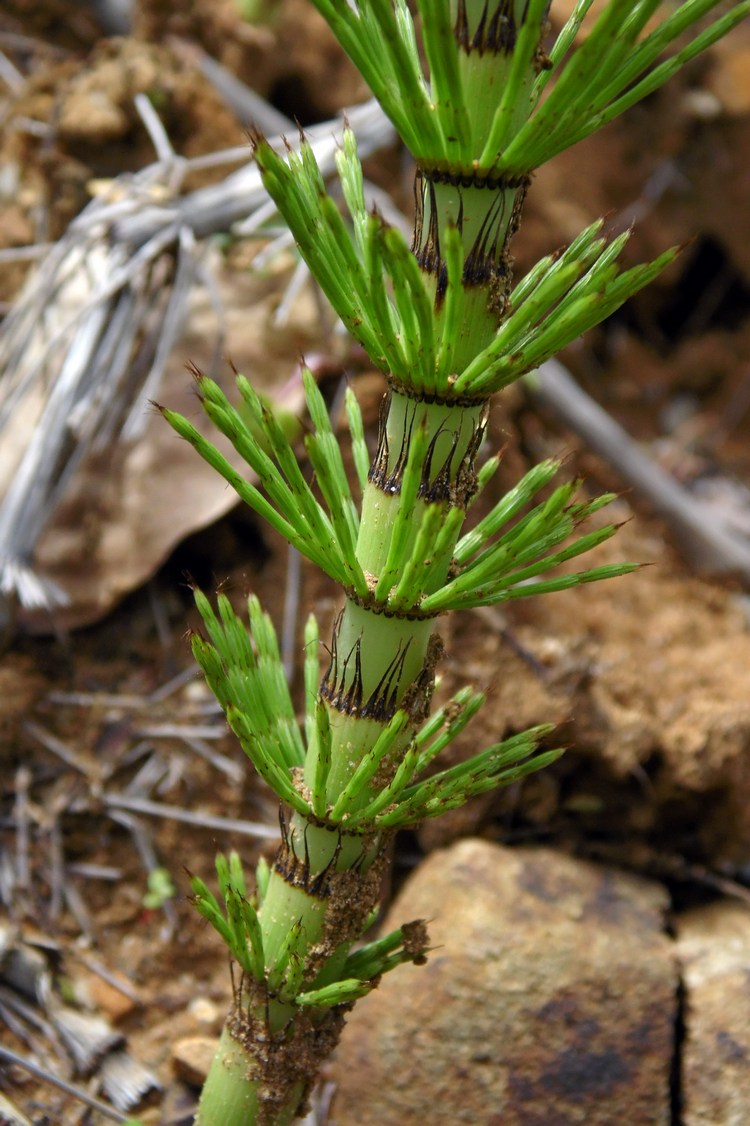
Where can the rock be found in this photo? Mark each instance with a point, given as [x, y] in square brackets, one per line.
[729, 77]
[192, 1056]
[714, 947]
[205, 1012]
[91, 115]
[549, 999]
[98, 994]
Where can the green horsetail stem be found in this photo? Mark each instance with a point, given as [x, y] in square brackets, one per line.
[448, 325]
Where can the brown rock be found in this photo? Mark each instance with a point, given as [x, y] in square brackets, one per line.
[192, 1056]
[549, 999]
[108, 999]
[714, 946]
[92, 115]
[729, 77]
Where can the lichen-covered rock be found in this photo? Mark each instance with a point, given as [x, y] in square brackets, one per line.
[549, 999]
[714, 948]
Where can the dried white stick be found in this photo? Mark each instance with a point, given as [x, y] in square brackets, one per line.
[202, 820]
[56, 1081]
[705, 539]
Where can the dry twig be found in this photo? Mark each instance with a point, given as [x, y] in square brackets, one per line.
[706, 540]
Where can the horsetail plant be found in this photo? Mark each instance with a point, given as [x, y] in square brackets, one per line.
[448, 325]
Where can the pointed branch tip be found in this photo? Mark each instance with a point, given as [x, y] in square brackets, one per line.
[192, 369]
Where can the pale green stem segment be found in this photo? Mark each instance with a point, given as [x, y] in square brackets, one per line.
[486, 219]
[229, 1097]
[422, 472]
[424, 462]
[500, 81]
[497, 57]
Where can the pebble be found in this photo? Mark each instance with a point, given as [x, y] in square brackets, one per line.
[192, 1056]
[713, 943]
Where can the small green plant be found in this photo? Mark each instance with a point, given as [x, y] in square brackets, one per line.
[449, 326]
[257, 12]
[160, 889]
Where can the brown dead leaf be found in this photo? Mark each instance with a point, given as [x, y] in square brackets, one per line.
[130, 507]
